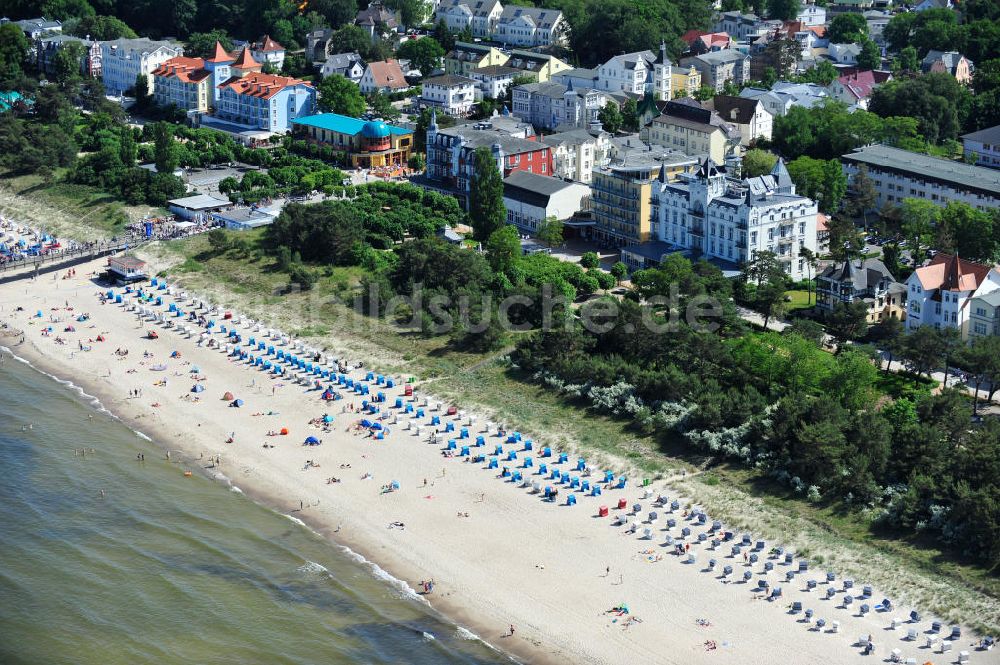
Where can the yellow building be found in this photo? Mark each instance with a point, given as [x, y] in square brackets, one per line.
[465, 57]
[688, 81]
[621, 203]
[368, 145]
[184, 83]
[539, 66]
[687, 126]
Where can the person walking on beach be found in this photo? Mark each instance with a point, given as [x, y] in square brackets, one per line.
[512, 630]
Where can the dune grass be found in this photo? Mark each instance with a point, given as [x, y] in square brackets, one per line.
[62, 208]
[910, 571]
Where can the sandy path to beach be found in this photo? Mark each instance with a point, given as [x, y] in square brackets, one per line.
[515, 559]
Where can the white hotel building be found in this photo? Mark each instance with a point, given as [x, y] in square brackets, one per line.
[122, 60]
[731, 220]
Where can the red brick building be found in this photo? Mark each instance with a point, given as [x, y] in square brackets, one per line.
[450, 156]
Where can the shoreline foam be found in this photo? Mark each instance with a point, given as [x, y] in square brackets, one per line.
[377, 572]
[516, 561]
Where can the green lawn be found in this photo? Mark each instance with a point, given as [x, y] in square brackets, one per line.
[907, 385]
[798, 299]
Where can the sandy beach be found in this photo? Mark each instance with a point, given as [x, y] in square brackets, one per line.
[499, 555]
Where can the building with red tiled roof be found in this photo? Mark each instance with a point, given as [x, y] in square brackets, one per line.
[385, 76]
[263, 101]
[267, 51]
[245, 62]
[703, 42]
[220, 55]
[183, 82]
[855, 87]
[940, 292]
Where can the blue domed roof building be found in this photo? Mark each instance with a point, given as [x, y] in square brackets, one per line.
[368, 144]
[375, 129]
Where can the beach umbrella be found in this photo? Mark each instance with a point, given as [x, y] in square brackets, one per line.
[197, 388]
[237, 403]
[312, 441]
[227, 396]
[328, 419]
[284, 431]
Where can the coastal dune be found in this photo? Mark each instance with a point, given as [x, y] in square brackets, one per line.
[551, 571]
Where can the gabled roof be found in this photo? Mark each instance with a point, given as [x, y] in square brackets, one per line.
[687, 112]
[544, 19]
[860, 84]
[341, 60]
[736, 109]
[532, 188]
[387, 74]
[261, 85]
[710, 40]
[478, 138]
[862, 274]
[572, 137]
[186, 70]
[376, 13]
[633, 60]
[36, 24]
[268, 45]
[481, 8]
[466, 47]
[448, 81]
[496, 70]
[949, 59]
[989, 135]
[951, 273]
[140, 45]
[718, 57]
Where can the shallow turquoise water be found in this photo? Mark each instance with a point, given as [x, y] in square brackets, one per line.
[165, 569]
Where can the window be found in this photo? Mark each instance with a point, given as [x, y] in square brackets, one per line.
[979, 328]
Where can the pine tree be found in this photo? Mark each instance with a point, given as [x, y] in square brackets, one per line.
[486, 208]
